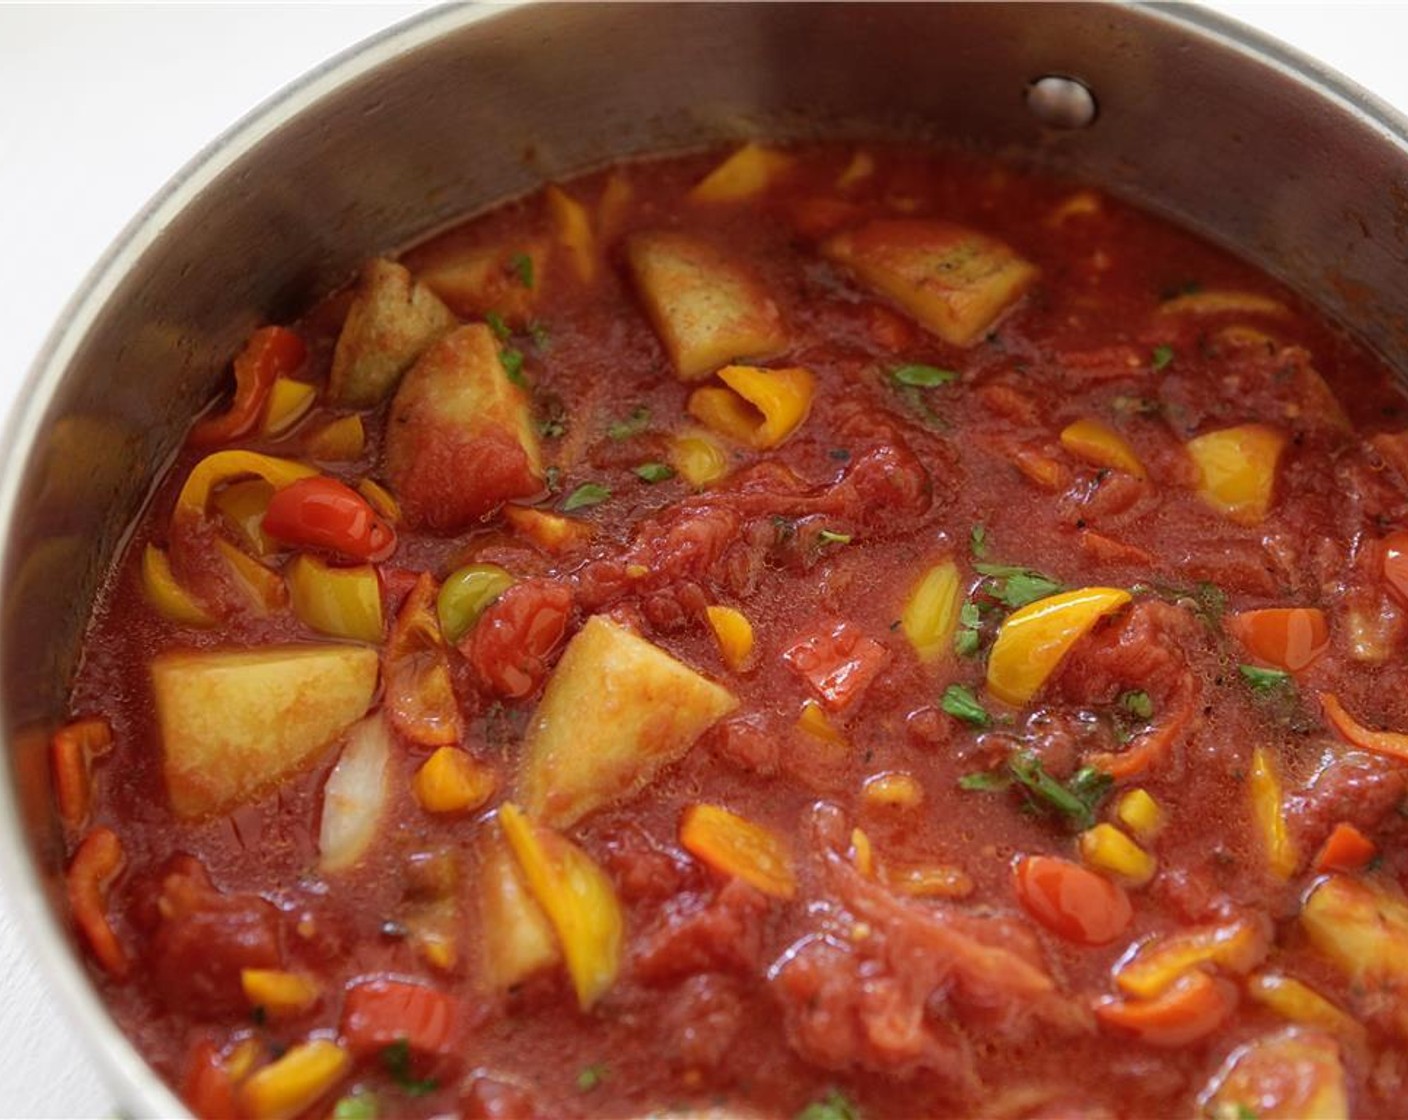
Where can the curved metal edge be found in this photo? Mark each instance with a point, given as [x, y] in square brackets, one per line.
[1269, 50]
[133, 1081]
[139, 1091]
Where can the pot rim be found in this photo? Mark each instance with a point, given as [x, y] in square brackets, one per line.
[121, 1068]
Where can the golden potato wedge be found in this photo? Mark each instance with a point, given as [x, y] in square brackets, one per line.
[1361, 927]
[955, 281]
[616, 710]
[392, 321]
[234, 722]
[461, 439]
[504, 279]
[707, 309]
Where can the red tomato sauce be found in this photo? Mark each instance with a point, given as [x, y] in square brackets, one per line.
[923, 964]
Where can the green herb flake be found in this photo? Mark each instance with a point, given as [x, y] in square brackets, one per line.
[542, 340]
[655, 472]
[1016, 587]
[357, 1105]
[978, 540]
[522, 266]
[1161, 357]
[588, 494]
[960, 703]
[830, 536]
[1076, 801]
[633, 425]
[1137, 703]
[512, 361]
[923, 377]
[966, 642]
[497, 325]
[840, 454]
[591, 1076]
[1264, 680]
[985, 781]
[396, 1060]
[833, 1106]
[552, 478]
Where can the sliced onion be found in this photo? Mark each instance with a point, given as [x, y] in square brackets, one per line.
[355, 796]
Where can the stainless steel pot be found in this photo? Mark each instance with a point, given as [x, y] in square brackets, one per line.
[1202, 120]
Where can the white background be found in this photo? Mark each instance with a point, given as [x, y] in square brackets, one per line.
[100, 105]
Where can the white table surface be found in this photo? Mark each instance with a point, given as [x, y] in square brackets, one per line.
[100, 105]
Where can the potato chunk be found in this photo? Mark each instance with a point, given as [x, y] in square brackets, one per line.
[392, 321]
[707, 309]
[1362, 929]
[506, 279]
[615, 711]
[955, 281]
[517, 938]
[1295, 1072]
[234, 722]
[461, 440]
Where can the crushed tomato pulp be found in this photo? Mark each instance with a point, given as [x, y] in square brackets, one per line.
[807, 632]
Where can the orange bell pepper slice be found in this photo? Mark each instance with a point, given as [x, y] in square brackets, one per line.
[97, 862]
[1192, 1008]
[1345, 849]
[270, 353]
[1394, 744]
[735, 846]
[71, 754]
[1289, 638]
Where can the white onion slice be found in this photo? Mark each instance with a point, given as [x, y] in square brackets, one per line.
[354, 797]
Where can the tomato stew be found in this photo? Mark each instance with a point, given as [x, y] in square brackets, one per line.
[797, 632]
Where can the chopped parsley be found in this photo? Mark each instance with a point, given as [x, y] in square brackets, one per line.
[540, 336]
[1015, 587]
[655, 472]
[985, 781]
[357, 1105]
[830, 536]
[978, 540]
[923, 377]
[1264, 680]
[522, 266]
[553, 479]
[633, 425]
[1137, 703]
[588, 494]
[512, 361]
[1076, 800]
[591, 1076]
[497, 325]
[1161, 357]
[833, 1106]
[396, 1060]
[553, 423]
[966, 638]
[959, 702]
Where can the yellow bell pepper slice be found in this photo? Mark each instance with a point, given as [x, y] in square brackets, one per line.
[733, 633]
[280, 994]
[814, 721]
[1236, 947]
[862, 853]
[170, 599]
[1300, 1003]
[894, 789]
[380, 499]
[578, 898]
[760, 408]
[736, 847]
[745, 174]
[698, 458]
[930, 614]
[264, 589]
[574, 231]
[341, 602]
[1101, 446]
[339, 441]
[226, 466]
[295, 1082]
[1222, 302]
[1238, 470]
[289, 402]
[552, 531]
[1034, 639]
[1105, 848]
[1269, 813]
[451, 781]
[243, 506]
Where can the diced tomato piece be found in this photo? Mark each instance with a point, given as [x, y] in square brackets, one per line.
[1284, 637]
[839, 662]
[380, 1013]
[516, 636]
[1070, 900]
[206, 1088]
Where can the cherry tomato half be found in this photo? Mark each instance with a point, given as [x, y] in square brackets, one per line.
[321, 513]
[1070, 900]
